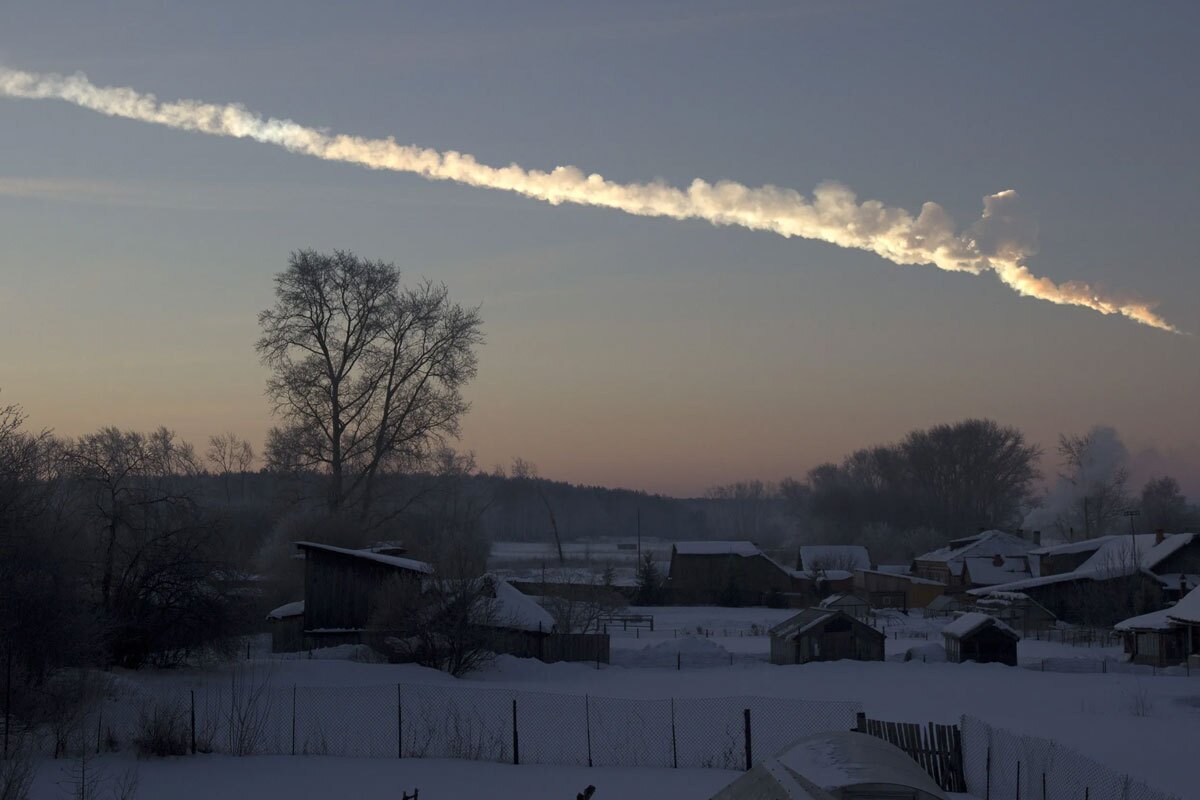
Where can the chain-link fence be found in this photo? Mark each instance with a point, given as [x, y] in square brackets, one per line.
[1106, 665]
[467, 722]
[1001, 765]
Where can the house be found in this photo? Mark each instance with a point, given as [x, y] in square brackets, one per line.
[824, 634]
[1017, 610]
[946, 564]
[981, 638]
[847, 765]
[1154, 639]
[1186, 613]
[852, 604]
[727, 573]
[840, 557]
[341, 586]
[895, 590]
[1117, 578]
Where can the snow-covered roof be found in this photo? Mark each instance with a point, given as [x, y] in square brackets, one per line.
[988, 543]
[944, 602]
[841, 556]
[1188, 609]
[515, 609]
[1154, 621]
[399, 562]
[842, 598]
[1113, 557]
[771, 779]
[293, 609]
[839, 761]
[909, 578]
[974, 621]
[986, 572]
[808, 619]
[717, 548]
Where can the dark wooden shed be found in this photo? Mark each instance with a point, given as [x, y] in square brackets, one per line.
[340, 586]
[980, 638]
[824, 634]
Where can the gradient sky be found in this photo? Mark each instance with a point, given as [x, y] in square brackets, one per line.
[622, 351]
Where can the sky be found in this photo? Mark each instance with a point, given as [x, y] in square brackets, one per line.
[621, 350]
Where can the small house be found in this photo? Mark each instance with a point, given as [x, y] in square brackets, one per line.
[1186, 614]
[944, 606]
[980, 638]
[287, 627]
[1154, 639]
[341, 586]
[947, 564]
[824, 634]
[852, 604]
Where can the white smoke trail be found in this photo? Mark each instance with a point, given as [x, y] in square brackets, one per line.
[995, 243]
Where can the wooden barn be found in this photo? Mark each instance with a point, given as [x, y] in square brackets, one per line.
[824, 634]
[735, 573]
[896, 590]
[340, 586]
[980, 638]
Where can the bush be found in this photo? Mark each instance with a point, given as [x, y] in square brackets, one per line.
[16, 772]
[163, 730]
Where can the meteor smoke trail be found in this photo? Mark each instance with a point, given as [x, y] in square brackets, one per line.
[997, 242]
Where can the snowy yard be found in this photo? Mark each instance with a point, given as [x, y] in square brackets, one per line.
[318, 778]
[1140, 725]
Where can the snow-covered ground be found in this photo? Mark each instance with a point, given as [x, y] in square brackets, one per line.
[320, 778]
[1140, 725]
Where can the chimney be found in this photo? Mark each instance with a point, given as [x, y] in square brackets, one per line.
[1159, 536]
[997, 560]
[1037, 538]
[1183, 585]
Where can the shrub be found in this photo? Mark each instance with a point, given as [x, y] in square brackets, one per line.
[163, 730]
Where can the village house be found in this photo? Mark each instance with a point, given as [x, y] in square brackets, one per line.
[823, 634]
[340, 587]
[727, 573]
[947, 564]
[895, 590]
[994, 570]
[980, 638]
[1153, 639]
[1186, 613]
[1120, 574]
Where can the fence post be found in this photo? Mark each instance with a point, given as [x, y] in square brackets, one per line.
[587, 721]
[987, 793]
[1018, 780]
[99, 727]
[399, 724]
[7, 694]
[193, 722]
[674, 746]
[678, 660]
[860, 722]
[749, 759]
[516, 748]
[293, 719]
[1043, 786]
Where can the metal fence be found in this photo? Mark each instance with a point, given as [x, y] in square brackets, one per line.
[1001, 765]
[468, 722]
[1105, 665]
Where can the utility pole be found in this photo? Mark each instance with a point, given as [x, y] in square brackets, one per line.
[639, 534]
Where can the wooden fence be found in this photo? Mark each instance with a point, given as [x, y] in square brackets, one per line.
[937, 748]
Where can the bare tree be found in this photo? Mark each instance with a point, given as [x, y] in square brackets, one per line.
[365, 375]
[230, 455]
[1095, 478]
[525, 474]
[745, 509]
[1164, 506]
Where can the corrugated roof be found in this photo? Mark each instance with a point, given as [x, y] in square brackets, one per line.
[410, 564]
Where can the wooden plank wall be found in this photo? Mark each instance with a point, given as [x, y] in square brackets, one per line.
[937, 748]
